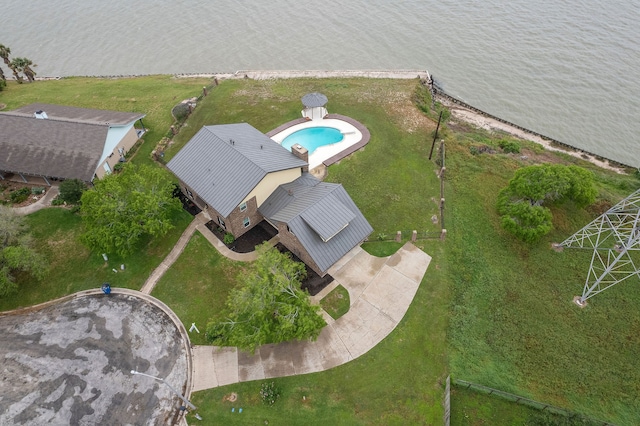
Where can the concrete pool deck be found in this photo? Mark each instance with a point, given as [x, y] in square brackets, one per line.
[356, 135]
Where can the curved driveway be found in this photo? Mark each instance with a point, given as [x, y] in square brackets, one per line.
[380, 291]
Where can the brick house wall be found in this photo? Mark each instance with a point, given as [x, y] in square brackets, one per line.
[290, 241]
[234, 223]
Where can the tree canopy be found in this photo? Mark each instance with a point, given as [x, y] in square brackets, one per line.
[124, 207]
[16, 252]
[269, 306]
[521, 202]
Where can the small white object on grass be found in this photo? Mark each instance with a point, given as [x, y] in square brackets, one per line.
[104, 256]
[115, 270]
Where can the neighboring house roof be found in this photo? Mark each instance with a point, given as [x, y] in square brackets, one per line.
[223, 163]
[78, 115]
[322, 216]
[68, 144]
[58, 149]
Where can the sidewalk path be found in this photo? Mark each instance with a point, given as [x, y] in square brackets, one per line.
[198, 223]
[380, 291]
[155, 276]
[42, 203]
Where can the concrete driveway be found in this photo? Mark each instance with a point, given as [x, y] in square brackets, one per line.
[380, 291]
[69, 362]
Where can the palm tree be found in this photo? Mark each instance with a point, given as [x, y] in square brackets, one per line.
[4, 54]
[17, 66]
[23, 65]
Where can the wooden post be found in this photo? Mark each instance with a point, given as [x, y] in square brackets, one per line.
[435, 136]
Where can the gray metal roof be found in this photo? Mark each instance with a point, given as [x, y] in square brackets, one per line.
[78, 115]
[223, 163]
[327, 217]
[315, 99]
[50, 148]
[313, 209]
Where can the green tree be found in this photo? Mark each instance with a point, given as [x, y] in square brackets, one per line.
[16, 252]
[124, 207]
[71, 190]
[269, 306]
[23, 65]
[521, 202]
[4, 54]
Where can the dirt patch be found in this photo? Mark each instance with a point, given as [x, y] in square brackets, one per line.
[232, 397]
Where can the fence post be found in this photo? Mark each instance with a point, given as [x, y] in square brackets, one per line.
[443, 234]
[447, 402]
[398, 236]
[414, 236]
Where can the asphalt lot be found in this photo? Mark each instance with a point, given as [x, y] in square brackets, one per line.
[70, 363]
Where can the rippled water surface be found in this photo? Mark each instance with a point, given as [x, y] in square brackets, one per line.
[569, 70]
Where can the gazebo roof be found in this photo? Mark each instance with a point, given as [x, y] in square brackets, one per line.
[312, 100]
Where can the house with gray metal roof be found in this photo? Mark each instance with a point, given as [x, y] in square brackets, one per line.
[44, 142]
[317, 221]
[238, 176]
[229, 170]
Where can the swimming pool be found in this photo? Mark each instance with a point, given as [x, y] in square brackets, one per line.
[313, 137]
[340, 128]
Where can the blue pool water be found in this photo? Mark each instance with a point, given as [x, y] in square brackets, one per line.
[312, 138]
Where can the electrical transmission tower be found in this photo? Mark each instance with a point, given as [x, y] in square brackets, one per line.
[614, 238]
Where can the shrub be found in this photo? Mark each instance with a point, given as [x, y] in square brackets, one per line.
[37, 190]
[269, 393]
[118, 167]
[20, 195]
[228, 238]
[509, 146]
[71, 191]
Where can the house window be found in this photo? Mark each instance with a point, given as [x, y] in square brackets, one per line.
[221, 222]
[246, 222]
[243, 207]
[107, 168]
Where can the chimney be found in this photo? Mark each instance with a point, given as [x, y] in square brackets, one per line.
[302, 153]
[40, 114]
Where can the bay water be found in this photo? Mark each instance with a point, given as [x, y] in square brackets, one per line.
[569, 70]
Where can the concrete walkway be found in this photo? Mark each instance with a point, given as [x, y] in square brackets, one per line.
[42, 203]
[198, 223]
[380, 291]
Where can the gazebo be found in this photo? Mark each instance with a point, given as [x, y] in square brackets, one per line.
[314, 106]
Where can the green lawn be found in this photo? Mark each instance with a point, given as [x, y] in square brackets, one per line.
[74, 268]
[513, 325]
[197, 285]
[337, 302]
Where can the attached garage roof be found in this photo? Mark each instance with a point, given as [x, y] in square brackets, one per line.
[322, 216]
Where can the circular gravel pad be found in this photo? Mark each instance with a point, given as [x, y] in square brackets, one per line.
[70, 363]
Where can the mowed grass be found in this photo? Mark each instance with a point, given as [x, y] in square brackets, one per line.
[513, 324]
[73, 267]
[154, 96]
[197, 285]
[337, 302]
